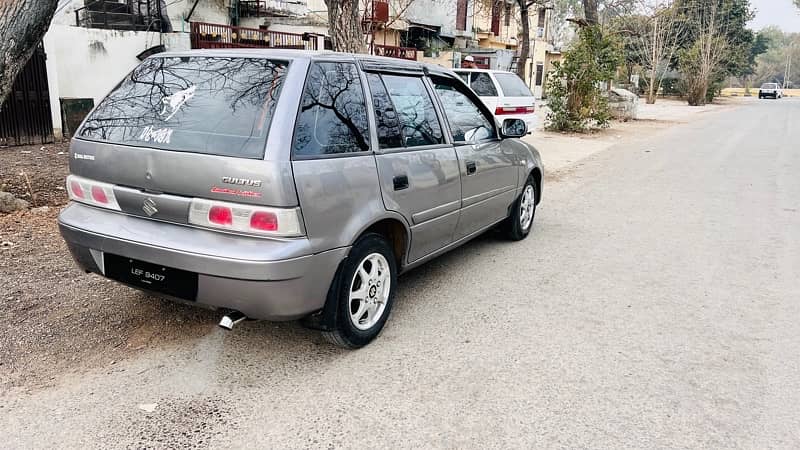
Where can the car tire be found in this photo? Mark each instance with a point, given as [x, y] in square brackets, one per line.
[368, 269]
[520, 220]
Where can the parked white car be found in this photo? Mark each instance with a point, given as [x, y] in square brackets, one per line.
[770, 90]
[506, 95]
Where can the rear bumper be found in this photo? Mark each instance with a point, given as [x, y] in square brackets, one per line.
[262, 278]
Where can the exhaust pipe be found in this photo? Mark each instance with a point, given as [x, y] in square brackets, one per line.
[232, 318]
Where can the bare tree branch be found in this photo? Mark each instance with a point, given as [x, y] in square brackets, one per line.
[23, 23]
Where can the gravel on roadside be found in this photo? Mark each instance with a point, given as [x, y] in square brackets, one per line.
[54, 318]
[35, 173]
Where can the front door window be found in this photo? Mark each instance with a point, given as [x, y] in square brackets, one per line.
[468, 124]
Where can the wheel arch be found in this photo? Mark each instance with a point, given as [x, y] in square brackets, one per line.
[396, 231]
[536, 174]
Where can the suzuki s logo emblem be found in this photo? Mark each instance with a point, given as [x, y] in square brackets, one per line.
[149, 207]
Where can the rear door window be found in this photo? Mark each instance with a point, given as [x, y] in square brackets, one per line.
[512, 85]
[389, 134]
[333, 113]
[212, 105]
[482, 84]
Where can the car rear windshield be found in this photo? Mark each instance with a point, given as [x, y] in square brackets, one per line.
[512, 85]
[769, 86]
[211, 105]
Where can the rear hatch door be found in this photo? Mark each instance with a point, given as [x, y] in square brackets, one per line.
[515, 94]
[180, 127]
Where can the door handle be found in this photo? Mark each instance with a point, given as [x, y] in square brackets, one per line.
[400, 182]
[471, 167]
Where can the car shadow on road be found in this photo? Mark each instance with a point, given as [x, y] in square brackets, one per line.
[276, 346]
[97, 323]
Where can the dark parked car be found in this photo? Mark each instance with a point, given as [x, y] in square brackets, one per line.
[284, 184]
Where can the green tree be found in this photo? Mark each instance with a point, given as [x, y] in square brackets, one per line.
[651, 39]
[575, 98]
[717, 44]
[775, 65]
[760, 45]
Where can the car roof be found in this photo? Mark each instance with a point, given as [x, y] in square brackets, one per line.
[481, 70]
[368, 62]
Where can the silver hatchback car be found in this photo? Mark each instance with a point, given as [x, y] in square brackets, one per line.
[281, 185]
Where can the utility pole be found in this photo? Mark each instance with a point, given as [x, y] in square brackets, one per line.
[651, 96]
[788, 74]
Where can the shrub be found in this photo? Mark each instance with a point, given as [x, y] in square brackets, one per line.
[575, 98]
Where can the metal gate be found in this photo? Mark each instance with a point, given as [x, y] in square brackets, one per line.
[25, 115]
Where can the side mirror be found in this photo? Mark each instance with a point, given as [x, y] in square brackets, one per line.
[514, 128]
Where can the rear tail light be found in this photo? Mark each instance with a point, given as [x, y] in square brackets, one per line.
[279, 222]
[92, 192]
[284, 222]
[75, 190]
[505, 110]
[98, 195]
[220, 215]
[265, 221]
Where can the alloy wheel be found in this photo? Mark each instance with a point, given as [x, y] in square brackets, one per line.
[526, 207]
[369, 291]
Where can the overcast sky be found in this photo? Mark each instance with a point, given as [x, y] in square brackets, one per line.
[782, 13]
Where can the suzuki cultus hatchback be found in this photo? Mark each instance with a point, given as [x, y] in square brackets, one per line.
[282, 185]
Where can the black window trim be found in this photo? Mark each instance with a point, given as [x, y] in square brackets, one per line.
[458, 74]
[367, 101]
[446, 135]
[475, 99]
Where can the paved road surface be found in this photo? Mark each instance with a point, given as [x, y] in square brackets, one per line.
[657, 304]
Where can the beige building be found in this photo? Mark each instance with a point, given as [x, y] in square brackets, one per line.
[497, 26]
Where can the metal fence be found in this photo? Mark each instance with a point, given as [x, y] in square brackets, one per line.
[25, 115]
[210, 35]
[391, 51]
[134, 15]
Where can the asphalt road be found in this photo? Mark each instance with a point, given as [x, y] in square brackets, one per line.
[656, 304]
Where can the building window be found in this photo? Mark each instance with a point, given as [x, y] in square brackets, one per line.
[539, 73]
[507, 19]
[496, 17]
[461, 15]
